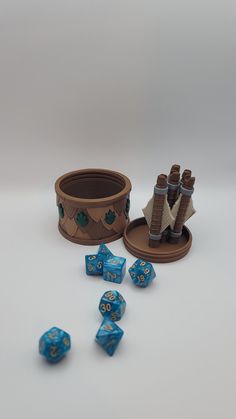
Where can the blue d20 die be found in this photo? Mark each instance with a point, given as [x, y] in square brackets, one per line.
[114, 269]
[108, 336]
[112, 305]
[94, 265]
[54, 344]
[104, 252]
[142, 273]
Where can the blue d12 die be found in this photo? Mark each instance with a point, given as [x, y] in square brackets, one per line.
[94, 265]
[112, 305]
[109, 336]
[54, 344]
[104, 252]
[114, 269]
[142, 273]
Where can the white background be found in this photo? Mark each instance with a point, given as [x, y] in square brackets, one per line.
[133, 86]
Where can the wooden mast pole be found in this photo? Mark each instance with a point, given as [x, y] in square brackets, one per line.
[186, 173]
[175, 168]
[173, 187]
[160, 191]
[173, 183]
[186, 189]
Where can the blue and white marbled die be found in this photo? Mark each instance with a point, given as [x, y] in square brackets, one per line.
[142, 273]
[112, 305]
[94, 264]
[104, 252]
[114, 269]
[108, 336]
[54, 344]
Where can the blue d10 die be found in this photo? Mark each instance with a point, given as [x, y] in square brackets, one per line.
[94, 265]
[54, 344]
[109, 336]
[112, 305]
[114, 269]
[142, 273]
[104, 252]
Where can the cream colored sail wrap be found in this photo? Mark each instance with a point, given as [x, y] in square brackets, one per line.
[190, 211]
[167, 216]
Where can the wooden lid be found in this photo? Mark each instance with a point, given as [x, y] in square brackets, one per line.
[136, 237]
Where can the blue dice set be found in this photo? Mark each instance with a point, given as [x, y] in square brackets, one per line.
[104, 252]
[108, 336]
[112, 267]
[142, 273]
[112, 307]
[94, 264]
[54, 344]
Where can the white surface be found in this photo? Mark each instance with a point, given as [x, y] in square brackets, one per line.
[104, 83]
[177, 357]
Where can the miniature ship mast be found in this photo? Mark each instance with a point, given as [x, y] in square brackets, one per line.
[161, 235]
[173, 185]
[186, 173]
[186, 190]
[160, 191]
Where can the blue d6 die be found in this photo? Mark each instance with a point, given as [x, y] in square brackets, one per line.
[142, 273]
[104, 252]
[114, 269]
[54, 344]
[94, 265]
[112, 305]
[109, 336]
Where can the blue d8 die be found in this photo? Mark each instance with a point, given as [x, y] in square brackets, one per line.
[109, 336]
[54, 344]
[104, 252]
[114, 269]
[112, 305]
[142, 273]
[94, 265]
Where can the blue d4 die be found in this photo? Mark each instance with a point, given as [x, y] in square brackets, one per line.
[94, 264]
[112, 305]
[142, 273]
[54, 344]
[109, 336]
[104, 252]
[114, 269]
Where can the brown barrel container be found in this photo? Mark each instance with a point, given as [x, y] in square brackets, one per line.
[93, 205]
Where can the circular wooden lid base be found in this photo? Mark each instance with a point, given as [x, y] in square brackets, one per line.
[136, 242]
